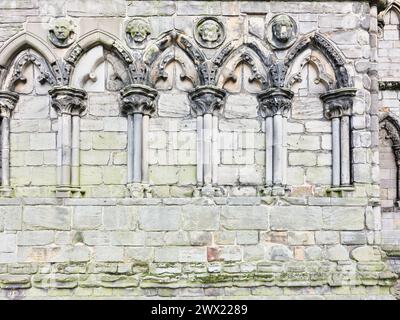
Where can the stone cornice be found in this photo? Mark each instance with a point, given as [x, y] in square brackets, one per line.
[137, 98]
[274, 101]
[68, 100]
[338, 102]
[8, 101]
[207, 100]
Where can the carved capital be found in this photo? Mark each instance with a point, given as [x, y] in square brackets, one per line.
[68, 100]
[338, 103]
[274, 101]
[8, 101]
[207, 100]
[137, 98]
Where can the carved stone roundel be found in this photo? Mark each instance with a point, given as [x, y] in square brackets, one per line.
[137, 31]
[61, 32]
[209, 32]
[281, 31]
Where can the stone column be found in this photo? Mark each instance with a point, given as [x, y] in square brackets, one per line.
[138, 103]
[8, 101]
[69, 103]
[338, 108]
[274, 105]
[207, 103]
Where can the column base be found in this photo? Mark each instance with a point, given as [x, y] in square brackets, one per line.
[279, 190]
[340, 191]
[6, 192]
[68, 192]
[209, 191]
[139, 190]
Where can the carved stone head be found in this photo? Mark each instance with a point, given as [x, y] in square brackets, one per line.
[209, 32]
[137, 31]
[282, 28]
[62, 32]
[282, 31]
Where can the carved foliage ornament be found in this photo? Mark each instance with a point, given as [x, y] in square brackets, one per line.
[8, 101]
[274, 101]
[209, 32]
[207, 99]
[45, 75]
[138, 99]
[68, 100]
[338, 103]
[137, 31]
[61, 32]
[281, 31]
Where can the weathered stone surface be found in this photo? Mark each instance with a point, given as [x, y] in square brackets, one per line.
[295, 218]
[341, 218]
[46, 217]
[366, 253]
[244, 218]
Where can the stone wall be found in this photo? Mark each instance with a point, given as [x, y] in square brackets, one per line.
[198, 149]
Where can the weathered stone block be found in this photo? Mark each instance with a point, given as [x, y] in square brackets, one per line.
[244, 218]
[46, 217]
[160, 218]
[296, 218]
[342, 218]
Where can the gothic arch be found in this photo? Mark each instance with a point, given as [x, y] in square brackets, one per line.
[390, 123]
[40, 54]
[89, 41]
[154, 53]
[394, 6]
[335, 58]
[230, 58]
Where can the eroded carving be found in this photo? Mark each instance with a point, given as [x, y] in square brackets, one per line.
[8, 101]
[137, 31]
[207, 99]
[45, 74]
[281, 31]
[138, 99]
[209, 32]
[338, 103]
[62, 32]
[274, 101]
[68, 100]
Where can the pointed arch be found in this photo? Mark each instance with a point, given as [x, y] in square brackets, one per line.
[393, 6]
[154, 53]
[24, 41]
[37, 52]
[391, 123]
[89, 41]
[229, 58]
[318, 41]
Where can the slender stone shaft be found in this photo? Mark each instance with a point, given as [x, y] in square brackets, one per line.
[5, 152]
[268, 150]
[75, 151]
[200, 150]
[66, 123]
[278, 149]
[130, 148]
[137, 147]
[345, 150]
[207, 148]
[214, 141]
[145, 150]
[284, 150]
[336, 152]
[59, 152]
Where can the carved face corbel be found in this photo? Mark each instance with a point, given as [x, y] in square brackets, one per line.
[62, 32]
[137, 31]
[209, 32]
[281, 31]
